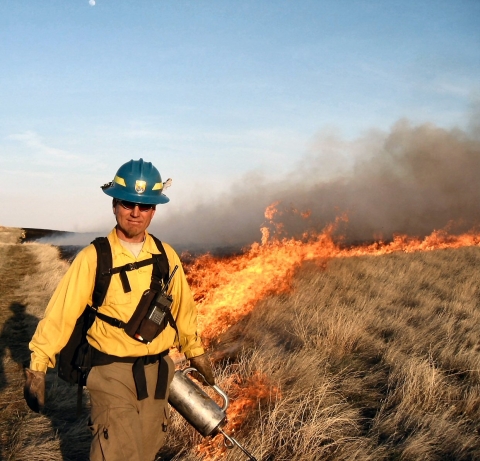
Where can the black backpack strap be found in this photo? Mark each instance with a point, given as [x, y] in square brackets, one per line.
[110, 320]
[74, 361]
[103, 278]
[103, 275]
[161, 269]
[122, 270]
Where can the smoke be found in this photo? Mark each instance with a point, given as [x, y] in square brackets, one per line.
[411, 180]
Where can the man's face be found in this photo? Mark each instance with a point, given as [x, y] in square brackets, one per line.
[131, 222]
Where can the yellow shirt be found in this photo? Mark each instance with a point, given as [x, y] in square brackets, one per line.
[75, 290]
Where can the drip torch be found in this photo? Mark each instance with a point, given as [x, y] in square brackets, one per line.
[199, 409]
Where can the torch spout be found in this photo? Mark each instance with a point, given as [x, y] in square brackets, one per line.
[233, 442]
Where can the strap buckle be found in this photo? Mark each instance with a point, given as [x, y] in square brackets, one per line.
[117, 323]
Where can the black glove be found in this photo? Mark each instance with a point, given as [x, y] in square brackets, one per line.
[202, 364]
[34, 389]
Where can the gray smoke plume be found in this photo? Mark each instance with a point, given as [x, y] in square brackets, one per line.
[412, 180]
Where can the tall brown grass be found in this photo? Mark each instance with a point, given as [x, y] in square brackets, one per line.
[375, 358]
[372, 358]
[28, 275]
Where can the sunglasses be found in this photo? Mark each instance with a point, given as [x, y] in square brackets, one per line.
[131, 205]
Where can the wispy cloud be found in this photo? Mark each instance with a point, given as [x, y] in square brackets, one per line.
[35, 142]
[454, 89]
[23, 173]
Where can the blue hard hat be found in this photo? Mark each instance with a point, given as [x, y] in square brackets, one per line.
[137, 181]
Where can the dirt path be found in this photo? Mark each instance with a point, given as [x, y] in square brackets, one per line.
[16, 328]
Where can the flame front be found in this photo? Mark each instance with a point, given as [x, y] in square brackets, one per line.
[226, 289]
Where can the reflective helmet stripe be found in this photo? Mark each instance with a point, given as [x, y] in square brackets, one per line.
[120, 181]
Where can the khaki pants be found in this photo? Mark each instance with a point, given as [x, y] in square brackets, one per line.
[124, 428]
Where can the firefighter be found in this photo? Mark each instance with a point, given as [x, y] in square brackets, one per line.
[128, 380]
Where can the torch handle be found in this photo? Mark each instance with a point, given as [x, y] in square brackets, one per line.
[219, 391]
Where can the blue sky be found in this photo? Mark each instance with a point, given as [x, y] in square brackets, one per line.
[211, 91]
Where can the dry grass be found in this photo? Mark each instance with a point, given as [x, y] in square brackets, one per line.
[374, 358]
[11, 234]
[398, 339]
[28, 275]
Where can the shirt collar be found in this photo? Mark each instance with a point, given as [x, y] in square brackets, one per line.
[117, 248]
[149, 245]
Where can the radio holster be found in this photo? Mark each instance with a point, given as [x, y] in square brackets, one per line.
[150, 317]
[152, 314]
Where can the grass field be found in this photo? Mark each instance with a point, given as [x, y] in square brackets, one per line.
[366, 358]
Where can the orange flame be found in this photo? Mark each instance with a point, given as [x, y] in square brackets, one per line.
[226, 289]
[246, 395]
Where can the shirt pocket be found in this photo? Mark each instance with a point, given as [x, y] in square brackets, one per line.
[115, 294]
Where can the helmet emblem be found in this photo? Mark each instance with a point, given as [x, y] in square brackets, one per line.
[140, 186]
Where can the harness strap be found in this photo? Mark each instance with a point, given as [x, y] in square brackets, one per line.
[122, 270]
[160, 274]
[173, 324]
[102, 276]
[114, 322]
[110, 320]
[138, 369]
[160, 267]
[162, 380]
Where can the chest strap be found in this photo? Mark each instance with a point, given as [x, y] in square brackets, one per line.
[156, 283]
[110, 320]
[122, 270]
[114, 322]
[159, 282]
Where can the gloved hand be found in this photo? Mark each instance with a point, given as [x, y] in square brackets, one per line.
[203, 365]
[34, 389]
